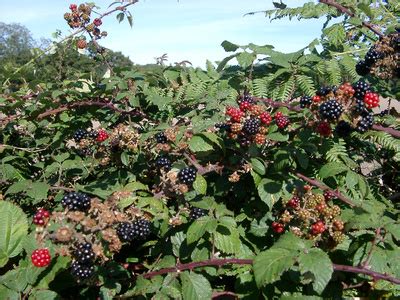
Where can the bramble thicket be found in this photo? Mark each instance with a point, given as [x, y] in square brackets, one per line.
[267, 175]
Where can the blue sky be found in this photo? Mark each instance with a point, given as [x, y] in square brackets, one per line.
[186, 29]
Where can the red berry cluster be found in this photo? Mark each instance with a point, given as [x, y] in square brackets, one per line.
[249, 122]
[102, 135]
[41, 217]
[40, 257]
[342, 109]
[371, 100]
[79, 17]
[311, 216]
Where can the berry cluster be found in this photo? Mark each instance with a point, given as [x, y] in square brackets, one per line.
[76, 201]
[79, 17]
[187, 175]
[41, 258]
[138, 230]
[382, 59]
[41, 217]
[196, 213]
[348, 107]
[311, 216]
[164, 163]
[248, 123]
[82, 266]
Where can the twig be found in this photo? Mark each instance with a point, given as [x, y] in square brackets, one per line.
[200, 169]
[102, 104]
[237, 261]
[348, 12]
[204, 263]
[224, 294]
[276, 104]
[377, 237]
[389, 130]
[324, 187]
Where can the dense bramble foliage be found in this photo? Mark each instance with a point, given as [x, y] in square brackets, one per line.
[277, 178]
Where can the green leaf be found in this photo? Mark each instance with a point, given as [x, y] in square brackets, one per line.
[58, 264]
[13, 229]
[200, 185]
[269, 191]
[227, 241]
[318, 263]
[277, 136]
[245, 59]
[199, 227]
[291, 242]
[195, 286]
[44, 295]
[125, 158]
[229, 47]
[200, 144]
[258, 166]
[269, 265]
[332, 169]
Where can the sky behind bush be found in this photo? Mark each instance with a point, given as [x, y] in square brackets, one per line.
[186, 29]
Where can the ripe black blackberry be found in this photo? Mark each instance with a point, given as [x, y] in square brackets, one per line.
[362, 68]
[330, 110]
[251, 126]
[82, 271]
[76, 201]
[360, 88]
[343, 129]
[223, 127]
[383, 113]
[139, 229]
[372, 56]
[244, 140]
[365, 123]
[161, 138]
[79, 135]
[164, 163]
[323, 91]
[92, 134]
[305, 101]
[246, 97]
[187, 175]
[196, 213]
[360, 107]
[84, 253]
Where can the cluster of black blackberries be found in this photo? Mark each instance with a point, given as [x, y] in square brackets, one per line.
[79, 135]
[196, 213]
[187, 175]
[251, 126]
[364, 66]
[330, 110]
[366, 122]
[161, 138]
[76, 201]
[138, 230]
[82, 266]
[164, 163]
[305, 101]
[360, 89]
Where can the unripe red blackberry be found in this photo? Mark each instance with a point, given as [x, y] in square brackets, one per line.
[317, 228]
[40, 257]
[294, 202]
[338, 225]
[265, 118]
[76, 201]
[324, 129]
[73, 7]
[187, 175]
[41, 217]
[330, 110]
[102, 135]
[329, 195]
[244, 106]
[278, 227]
[282, 122]
[97, 22]
[371, 100]
[196, 213]
[316, 99]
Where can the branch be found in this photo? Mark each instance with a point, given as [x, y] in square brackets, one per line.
[237, 261]
[200, 169]
[389, 130]
[276, 104]
[209, 262]
[362, 270]
[108, 105]
[324, 187]
[348, 12]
